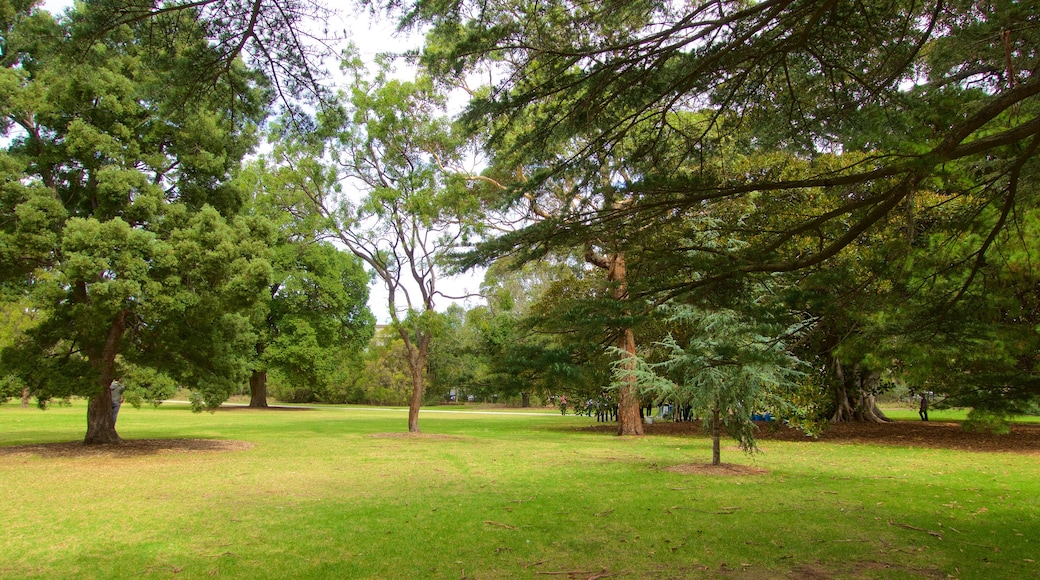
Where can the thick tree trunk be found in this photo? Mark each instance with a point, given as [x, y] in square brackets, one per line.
[716, 438]
[853, 395]
[101, 428]
[258, 390]
[25, 398]
[525, 399]
[629, 422]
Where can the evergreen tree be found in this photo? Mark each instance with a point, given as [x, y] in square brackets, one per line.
[726, 366]
[119, 212]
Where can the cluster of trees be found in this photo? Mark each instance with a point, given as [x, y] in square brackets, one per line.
[784, 204]
[130, 233]
[867, 170]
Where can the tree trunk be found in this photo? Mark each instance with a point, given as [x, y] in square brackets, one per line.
[258, 390]
[525, 399]
[25, 398]
[417, 366]
[716, 438]
[416, 401]
[629, 422]
[853, 395]
[101, 429]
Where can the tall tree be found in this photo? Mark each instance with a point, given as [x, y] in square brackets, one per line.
[119, 213]
[568, 197]
[387, 144]
[315, 313]
[841, 116]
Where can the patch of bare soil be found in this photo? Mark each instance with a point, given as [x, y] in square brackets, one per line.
[1024, 437]
[226, 407]
[721, 469]
[128, 448]
[407, 435]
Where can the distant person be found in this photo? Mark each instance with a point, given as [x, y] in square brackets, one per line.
[117, 389]
[923, 409]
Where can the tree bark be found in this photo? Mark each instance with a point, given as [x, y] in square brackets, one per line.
[258, 390]
[25, 398]
[101, 429]
[716, 438]
[853, 395]
[629, 422]
[525, 399]
[417, 354]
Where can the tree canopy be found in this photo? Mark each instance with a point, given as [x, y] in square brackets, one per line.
[856, 106]
[314, 316]
[762, 138]
[119, 213]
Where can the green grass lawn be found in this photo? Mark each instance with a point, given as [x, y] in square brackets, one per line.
[340, 493]
[906, 413]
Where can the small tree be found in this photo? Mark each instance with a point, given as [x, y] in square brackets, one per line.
[727, 366]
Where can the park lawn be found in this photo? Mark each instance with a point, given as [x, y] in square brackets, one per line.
[906, 413]
[344, 493]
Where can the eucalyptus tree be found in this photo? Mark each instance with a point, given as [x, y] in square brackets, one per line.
[119, 210]
[844, 117]
[373, 169]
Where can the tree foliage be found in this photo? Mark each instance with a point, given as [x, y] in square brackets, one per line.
[118, 214]
[287, 41]
[726, 367]
[769, 138]
[371, 173]
[315, 315]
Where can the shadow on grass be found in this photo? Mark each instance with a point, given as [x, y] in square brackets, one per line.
[128, 448]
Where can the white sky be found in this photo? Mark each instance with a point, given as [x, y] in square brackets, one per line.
[373, 36]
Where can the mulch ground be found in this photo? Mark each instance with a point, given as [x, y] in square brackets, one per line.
[1024, 438]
